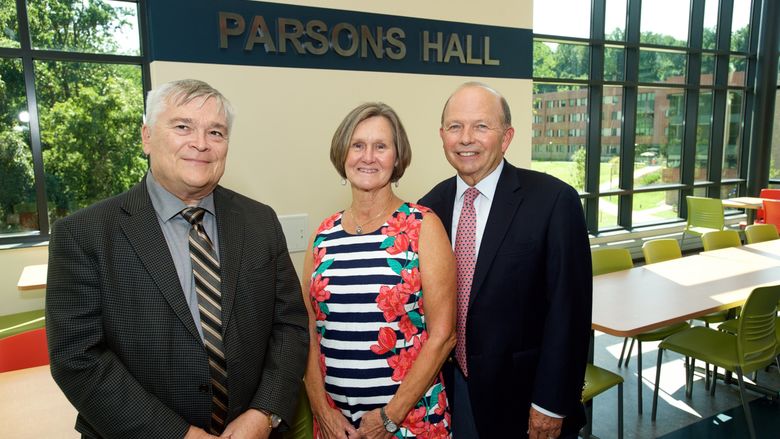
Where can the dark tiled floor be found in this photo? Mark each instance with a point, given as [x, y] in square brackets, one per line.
[675, 411]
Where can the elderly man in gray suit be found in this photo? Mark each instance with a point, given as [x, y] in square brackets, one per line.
[173, 310]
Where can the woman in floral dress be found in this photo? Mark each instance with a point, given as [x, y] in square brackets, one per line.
[380, 279]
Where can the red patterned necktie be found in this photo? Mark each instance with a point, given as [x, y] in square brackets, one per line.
[465, 260]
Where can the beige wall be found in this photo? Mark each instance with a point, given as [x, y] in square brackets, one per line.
[12, 261]
[286, 118]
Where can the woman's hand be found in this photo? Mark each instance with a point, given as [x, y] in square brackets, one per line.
[333, 425]
[372, 427]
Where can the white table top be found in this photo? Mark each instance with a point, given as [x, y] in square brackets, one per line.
[630, 302]
[32, 406]
[33, 277]
[744, 202]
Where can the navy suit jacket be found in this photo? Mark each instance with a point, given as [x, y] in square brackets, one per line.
[528, 325]
[123, 344]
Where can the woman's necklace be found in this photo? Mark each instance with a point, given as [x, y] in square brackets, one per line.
[359, 227]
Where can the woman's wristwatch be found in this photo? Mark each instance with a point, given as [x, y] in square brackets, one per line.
[390, 426]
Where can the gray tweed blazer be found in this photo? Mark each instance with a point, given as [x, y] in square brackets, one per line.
[123, 344]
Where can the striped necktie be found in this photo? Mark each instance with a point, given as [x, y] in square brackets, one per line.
[465, 260]
[205, 267]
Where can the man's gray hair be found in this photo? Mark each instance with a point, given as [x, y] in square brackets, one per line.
[182, 92]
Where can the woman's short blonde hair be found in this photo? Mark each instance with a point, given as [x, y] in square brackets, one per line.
[339, 146]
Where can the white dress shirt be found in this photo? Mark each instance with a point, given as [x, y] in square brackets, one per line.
[487, 190]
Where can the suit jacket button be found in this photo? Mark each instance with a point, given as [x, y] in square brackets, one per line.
[203, 388]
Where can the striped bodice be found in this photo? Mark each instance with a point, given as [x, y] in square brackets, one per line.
[366, 292]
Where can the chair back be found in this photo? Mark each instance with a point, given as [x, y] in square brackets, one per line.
[760, 233]
[608, 260]
[756, 339]
[720, 239]
[766, 193]
[705, 212]
[659, 250]
[24, 350]
[772, 213]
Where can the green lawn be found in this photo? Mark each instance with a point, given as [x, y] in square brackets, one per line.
[642, 202]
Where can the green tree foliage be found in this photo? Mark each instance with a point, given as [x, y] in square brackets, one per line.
[89, 113]
[578, 171]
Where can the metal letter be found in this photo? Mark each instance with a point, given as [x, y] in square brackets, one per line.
[225, 31]
[367, 40]
[259, 34]
[352, 37]
[488, 61]
[293, 36]
[312, 31]
[454, 48]
[395, 38]
[438, 46]
[469, 59]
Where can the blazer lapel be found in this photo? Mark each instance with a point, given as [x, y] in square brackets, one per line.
[506, 200]
[444, 204]
[142, 229]
[231, 243]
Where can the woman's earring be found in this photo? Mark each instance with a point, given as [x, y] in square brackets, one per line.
[343, 181]
[396, 183]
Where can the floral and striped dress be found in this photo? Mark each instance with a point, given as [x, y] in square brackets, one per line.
[366, 292]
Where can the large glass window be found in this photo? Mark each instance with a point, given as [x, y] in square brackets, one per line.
[658, 128]
[74, 139]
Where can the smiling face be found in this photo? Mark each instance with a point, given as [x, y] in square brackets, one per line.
[188, 145]
[371, 155]
[473, 133]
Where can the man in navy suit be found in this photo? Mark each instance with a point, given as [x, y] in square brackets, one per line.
[527, 310]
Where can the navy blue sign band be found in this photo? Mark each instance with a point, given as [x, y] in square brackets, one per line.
[271, 34]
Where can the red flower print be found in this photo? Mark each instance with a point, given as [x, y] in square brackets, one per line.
[328, 223]
[318, 254]
[386, 341]
[317, 288]
[420, 306]
[415, 420]
[395, 225]
[435, 431]
[447, 418]
[318, 311]
[441, 404]
[401, 244]
[402, 362]
[407, 327]
[331, 402]
[323, 368]
[413, 231]
[412, 280]
[391, 301]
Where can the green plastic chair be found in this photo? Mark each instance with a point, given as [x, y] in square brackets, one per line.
[598, 381]
[302, 426]
[720, 239]
[753, 347]
[760, 233]
[659, 250]
[715, 241]
[704, 215]
[610, 260]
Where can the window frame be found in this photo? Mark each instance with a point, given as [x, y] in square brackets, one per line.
[28, 56]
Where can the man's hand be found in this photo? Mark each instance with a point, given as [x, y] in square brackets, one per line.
[541, 426]
[252, 424]
[198, 433]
